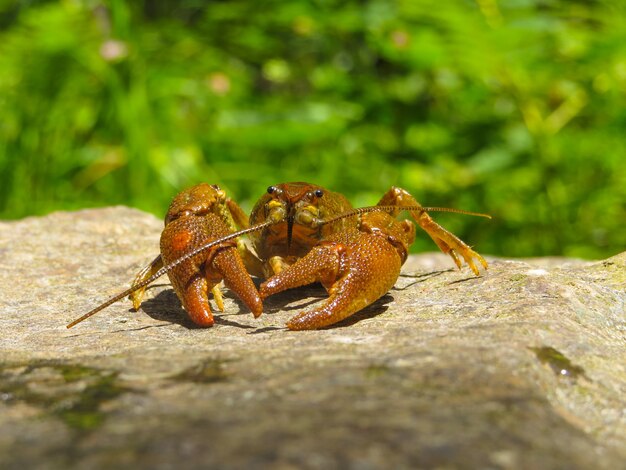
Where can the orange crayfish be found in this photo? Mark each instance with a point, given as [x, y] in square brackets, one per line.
[300, 233]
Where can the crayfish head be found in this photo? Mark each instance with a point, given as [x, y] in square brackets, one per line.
[296, 209]
[294, 203]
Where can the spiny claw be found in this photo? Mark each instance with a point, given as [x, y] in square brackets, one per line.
[225, 264]
[193, 279]
[356, 271]
[231, 268]
[194, 299]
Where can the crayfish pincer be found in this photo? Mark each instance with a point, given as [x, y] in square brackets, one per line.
[198, 251]
[195, 216]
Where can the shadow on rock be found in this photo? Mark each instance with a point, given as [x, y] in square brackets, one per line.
[419, 278]
[377, 308]
[165, 306]
[280, 302]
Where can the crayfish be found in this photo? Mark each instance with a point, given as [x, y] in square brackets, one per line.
[300, 233]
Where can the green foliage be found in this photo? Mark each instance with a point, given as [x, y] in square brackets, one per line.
[515, 108]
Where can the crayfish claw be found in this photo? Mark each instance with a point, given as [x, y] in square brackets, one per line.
[356, 268]
[230, 267]
[196, 303]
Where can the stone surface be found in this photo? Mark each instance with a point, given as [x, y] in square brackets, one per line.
[523, 367]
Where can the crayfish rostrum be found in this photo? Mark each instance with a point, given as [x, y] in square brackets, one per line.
[300, 233]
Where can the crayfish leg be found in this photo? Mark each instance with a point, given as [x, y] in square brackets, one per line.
[217, 297]
[237, 213]
[147, 272]
[447, 242]
[450, 243]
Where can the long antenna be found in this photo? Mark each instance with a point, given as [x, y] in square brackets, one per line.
[168, 268]
[363, 210]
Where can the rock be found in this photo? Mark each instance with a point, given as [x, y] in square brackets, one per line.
[523, 367]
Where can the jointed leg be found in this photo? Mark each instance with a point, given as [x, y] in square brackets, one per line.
[239, 216]
[445, 240]
[145, 273]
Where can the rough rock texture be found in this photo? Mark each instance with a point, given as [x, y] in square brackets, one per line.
[524, 367]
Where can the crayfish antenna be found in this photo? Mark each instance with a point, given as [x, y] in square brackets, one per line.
[364, 210]
[449, 209]
[169, 267]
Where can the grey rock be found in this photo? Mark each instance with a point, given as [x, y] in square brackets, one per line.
[523, 367]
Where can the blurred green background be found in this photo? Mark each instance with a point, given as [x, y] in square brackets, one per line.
[516, 108]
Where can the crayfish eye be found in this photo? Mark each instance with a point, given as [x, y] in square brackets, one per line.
[271, 189]
[319, 193]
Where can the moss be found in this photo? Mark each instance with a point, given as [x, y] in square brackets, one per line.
[558, 362]
[57, 395]
[73, 373]
[84, 411]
